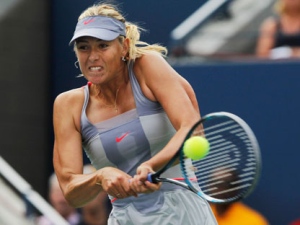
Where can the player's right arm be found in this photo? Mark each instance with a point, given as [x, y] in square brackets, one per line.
[79, 188]
[67, 152]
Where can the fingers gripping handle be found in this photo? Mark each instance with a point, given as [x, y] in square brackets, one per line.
[151, 177]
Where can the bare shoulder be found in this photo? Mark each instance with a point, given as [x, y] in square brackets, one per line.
[152, 66]
[156, 75]
[151, 71]
[71, 98]
[148, 62]
[67, 108]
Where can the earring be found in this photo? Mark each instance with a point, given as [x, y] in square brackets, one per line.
[76, 64]
[123, 59]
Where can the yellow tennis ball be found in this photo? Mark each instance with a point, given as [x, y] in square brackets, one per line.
[196, 147]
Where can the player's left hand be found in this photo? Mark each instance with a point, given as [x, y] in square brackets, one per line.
[139, 182]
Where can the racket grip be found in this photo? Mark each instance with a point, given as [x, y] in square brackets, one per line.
[149, 177]
[153, 178]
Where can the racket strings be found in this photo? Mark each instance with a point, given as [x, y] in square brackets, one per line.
[229, 169]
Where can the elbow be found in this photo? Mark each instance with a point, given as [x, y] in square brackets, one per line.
[72, 198]
[71, 201]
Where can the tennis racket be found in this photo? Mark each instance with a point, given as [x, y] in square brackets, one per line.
[231, 169]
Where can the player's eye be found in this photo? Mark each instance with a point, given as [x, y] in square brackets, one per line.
[103, 45]
[82, 47]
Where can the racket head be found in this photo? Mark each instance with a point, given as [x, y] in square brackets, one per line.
[231, 169]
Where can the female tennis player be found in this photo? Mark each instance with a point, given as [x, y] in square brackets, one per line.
[130, 119]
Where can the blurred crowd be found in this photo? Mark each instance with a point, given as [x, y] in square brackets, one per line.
[95, 212]
[280, 34]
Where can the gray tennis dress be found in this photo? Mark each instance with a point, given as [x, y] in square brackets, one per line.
[127, 140]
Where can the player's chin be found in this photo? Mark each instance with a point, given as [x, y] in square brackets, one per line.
[94, 78]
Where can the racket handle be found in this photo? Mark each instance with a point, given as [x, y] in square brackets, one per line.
[153, 178]
[149, 178]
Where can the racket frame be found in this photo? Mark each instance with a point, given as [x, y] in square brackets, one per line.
[155, 177]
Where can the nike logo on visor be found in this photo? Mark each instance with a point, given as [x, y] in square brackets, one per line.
[119, 139]
[88, 21]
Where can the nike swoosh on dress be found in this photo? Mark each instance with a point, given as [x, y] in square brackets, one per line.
[119, 139]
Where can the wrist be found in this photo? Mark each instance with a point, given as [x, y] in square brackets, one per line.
[99, 177]
[145, 166]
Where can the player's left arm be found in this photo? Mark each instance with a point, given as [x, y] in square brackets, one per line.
[160, 82]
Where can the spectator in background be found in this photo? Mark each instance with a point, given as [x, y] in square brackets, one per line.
[97, 211]
[59, 203]
[280, 36]
[234, 213]
[237, 213]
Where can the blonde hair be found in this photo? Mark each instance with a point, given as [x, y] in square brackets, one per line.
[137, 48]
[279, 7]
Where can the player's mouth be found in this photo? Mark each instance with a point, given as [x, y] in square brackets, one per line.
[95, 68]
